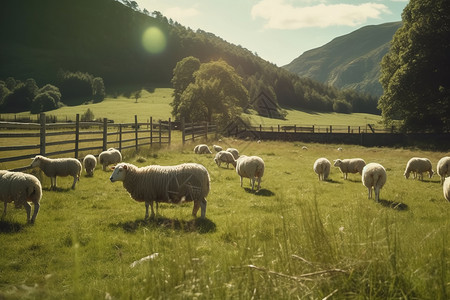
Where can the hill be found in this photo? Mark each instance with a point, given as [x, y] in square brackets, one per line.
[350, 61]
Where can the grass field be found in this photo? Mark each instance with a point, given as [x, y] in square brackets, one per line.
[297, 238]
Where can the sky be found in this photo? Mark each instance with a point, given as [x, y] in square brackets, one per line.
[278, 30]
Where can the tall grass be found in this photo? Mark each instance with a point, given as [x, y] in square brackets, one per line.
[295, 238]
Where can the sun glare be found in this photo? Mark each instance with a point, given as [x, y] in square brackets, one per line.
[154, 40]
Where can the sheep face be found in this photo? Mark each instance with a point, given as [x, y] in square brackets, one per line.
[36, 161]
[337, 163]
[119, 173]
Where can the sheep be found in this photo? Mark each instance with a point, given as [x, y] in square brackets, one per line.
[109, 157]
[374, 175]
[226, 157]
[89, 163]
[217, 148]
[351, 165]
[340, 149]
[20, 188]
[304, 148]
[418, 165]
[250, 167]
[202, 149]
[443, 168]
[58, 167]
[322, 168]
[234, 151]
[446, 188]
[189, 182]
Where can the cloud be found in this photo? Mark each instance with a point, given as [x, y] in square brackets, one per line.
[282, 15]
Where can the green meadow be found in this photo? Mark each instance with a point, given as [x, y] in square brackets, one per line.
[296, 238]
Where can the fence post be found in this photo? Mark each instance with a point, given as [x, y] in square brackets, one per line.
[295, 128]
[193, 131]
[206, 130]
[183, 134]
[278, 127]
[170, 130]
[151, 131]
[77, 134]
[348, 129]
[120, 137]
[136, 132]
[105, 133]
[159, 132]
[313, 129]
[42, 133]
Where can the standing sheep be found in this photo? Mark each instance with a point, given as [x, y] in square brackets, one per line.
[225, 157]
[443, 168]
[250, 167]
[418, 165]
[446, 188]
[234, 151]
[188, 182]
[217, 148]
[374, 175]
[20, 188]
[202, 149]
[109, 157]
[89, 163]
[322, 168]
[58, 167]
[351, 165]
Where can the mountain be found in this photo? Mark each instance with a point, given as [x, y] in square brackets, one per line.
[350, 61]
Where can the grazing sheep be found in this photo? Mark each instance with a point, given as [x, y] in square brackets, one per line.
[446, 188]
[89, 163]
[109, 157]
[250, 167]
[443, 168]
[58, 167]
[217, 148]
[418, 165]
[20, 188]
[340, 149]
[322, 168]
[351, 165]
[305, 148]
[225, 157]
[374, 175]
[202, 149]
[188, 182]
[234, 151]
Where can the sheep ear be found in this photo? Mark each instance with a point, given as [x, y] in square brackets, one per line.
[125, 167]
[113, 167]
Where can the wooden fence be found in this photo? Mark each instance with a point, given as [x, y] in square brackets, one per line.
[192, 131]
[368, 128]
[77, 138]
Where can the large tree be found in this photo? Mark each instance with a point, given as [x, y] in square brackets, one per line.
[416, 71]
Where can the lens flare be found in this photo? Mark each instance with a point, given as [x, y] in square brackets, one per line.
[154, 40]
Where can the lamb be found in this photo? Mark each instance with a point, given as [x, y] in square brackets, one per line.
[202, 149]
[217, 148]
[89, 163]
[225, 157]
[443, 168]
[234, 151]
[20, 188]
[322, 168]
[446, 188]
[58, 167]
[109, 157]
[188, 182]
[351, 165]
[418, 165]
[250, 167]
[374, 175]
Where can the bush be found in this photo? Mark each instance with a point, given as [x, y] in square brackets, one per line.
[47, 98]
[87, 116]
[341, 106]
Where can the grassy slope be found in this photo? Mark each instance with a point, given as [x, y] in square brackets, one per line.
[84, 240]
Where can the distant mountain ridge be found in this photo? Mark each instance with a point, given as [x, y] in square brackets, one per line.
[350, 61]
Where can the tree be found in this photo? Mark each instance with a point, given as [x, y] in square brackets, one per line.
[183, 75]
[137, 95]
[21, 96]
[415, 73]
[98, 89]
[48, 98]
[88, 116]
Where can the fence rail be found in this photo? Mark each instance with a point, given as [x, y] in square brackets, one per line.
[192, 131]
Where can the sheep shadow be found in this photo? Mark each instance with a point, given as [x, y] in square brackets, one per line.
[11, 226]
[195, 225]
[333, 181]
[57, 189]
[261, 192]
[394, 205]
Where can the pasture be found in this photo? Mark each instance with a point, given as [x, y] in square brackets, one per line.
[297, 238]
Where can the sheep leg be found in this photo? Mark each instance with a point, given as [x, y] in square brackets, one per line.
[259, 183]
[377, 194]
[196, 207]
[35, 212]
[241, 181]
[203, 204]
[4, 211]
[370, 192]
[74, 182]
[28, 210]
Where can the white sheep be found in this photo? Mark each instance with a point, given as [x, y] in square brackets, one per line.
[225, 157]
[202, 149]
[217, 148]
[250, 167]
[89, 163]
[443, 168]
[322, 168]
[446, 188]
[188, 182]
[234, 151]
[351, 165]
[374, 175]
[53, 167]
[304, 148]
[20, 188]
[109, 157]
[418, 165]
